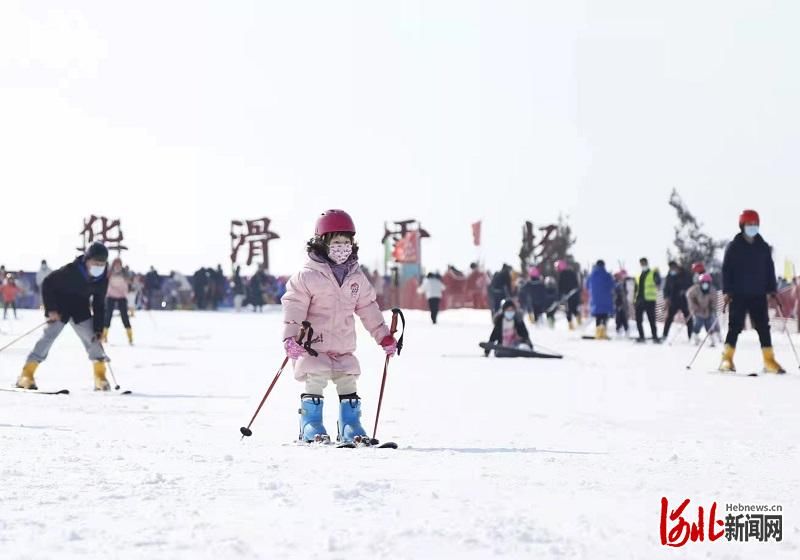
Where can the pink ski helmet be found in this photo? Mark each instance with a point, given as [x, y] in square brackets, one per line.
[706, 278]
[334, 220]
[561, 265]
[533, 272]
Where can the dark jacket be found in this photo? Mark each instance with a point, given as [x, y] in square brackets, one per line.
[567, 281]
[152, 281]
[501, 283]
[748, 268]
[519, 326]
[533, 295]
[675, 287]
[68, 291]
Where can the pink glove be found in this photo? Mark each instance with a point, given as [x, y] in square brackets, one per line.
[293, 349]
[389, 345]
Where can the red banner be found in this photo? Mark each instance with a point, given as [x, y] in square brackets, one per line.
[476, 234]
[406, 248]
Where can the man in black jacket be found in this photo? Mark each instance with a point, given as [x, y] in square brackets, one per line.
[675, 287]
[74, 294]
[748, 278]
[569, 291]
[500, 288]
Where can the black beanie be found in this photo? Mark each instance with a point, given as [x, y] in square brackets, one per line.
[97, 251]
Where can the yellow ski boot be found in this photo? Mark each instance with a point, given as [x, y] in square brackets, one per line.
[770, 365]
[571, 325]
[26, 380]
[105, 336]
[726, 366]
[129, 332]
[601, 333]
[100, 381]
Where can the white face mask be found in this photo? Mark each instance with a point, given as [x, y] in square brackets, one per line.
[340, 252]
[751, 231]
[704, 286]
[97, 271]
[509, 315]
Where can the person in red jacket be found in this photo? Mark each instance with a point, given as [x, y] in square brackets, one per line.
[10, 291]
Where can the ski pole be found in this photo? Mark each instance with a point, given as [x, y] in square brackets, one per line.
[306, 327]
[788, 335]
[393, 329]
[33, 330]
[705, 338]
[673, 336]
[113, 377]
[108, 361]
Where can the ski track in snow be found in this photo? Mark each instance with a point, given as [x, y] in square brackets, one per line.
[505, 458]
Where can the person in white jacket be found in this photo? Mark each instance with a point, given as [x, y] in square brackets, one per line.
[432, 286]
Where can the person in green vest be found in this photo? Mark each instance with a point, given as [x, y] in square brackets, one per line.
[646, 293]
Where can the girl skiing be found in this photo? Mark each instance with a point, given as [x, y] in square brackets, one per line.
[326, 292]
[117, 298]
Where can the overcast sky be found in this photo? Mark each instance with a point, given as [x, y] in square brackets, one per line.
[180, 116]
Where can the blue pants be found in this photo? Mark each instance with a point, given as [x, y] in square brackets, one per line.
[707, 322]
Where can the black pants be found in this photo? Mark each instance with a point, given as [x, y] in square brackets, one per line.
[496, 300]
[572, 305]
[601, 320]
[756, 307]
[674, 307]
[648, 307]
[122, 305]
[621, 319]
[12, 305]
[433, 305]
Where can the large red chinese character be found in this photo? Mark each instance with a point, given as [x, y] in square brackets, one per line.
[682, 532]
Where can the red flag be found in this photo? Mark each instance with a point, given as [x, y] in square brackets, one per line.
[476, 234]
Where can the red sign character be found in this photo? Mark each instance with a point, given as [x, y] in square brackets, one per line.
[683, 532]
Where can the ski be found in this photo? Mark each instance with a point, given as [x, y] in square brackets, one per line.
[505, 352]
[734, 373]
[34, 391]
[375, 444]
[319, 441]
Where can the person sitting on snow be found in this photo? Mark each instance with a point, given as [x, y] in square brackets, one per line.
[509, 330]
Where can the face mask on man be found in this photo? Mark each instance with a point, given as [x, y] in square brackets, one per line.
[97, 270]
[705, 286]
[340, 252]
[751, 231]
[509, 315]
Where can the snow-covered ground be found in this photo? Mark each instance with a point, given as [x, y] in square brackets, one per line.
[498, 458]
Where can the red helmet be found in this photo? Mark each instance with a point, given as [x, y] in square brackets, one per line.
[334, 220]
[698, 268]
[749, 217]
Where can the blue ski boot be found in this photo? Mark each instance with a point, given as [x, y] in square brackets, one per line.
[311, 427]
[350, 428]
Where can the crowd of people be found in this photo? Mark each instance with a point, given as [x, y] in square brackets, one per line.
[747, 279]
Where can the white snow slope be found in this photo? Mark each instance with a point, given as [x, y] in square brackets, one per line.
[498, 458]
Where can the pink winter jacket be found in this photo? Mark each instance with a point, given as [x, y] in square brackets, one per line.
[314, 295]
[117, 287]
